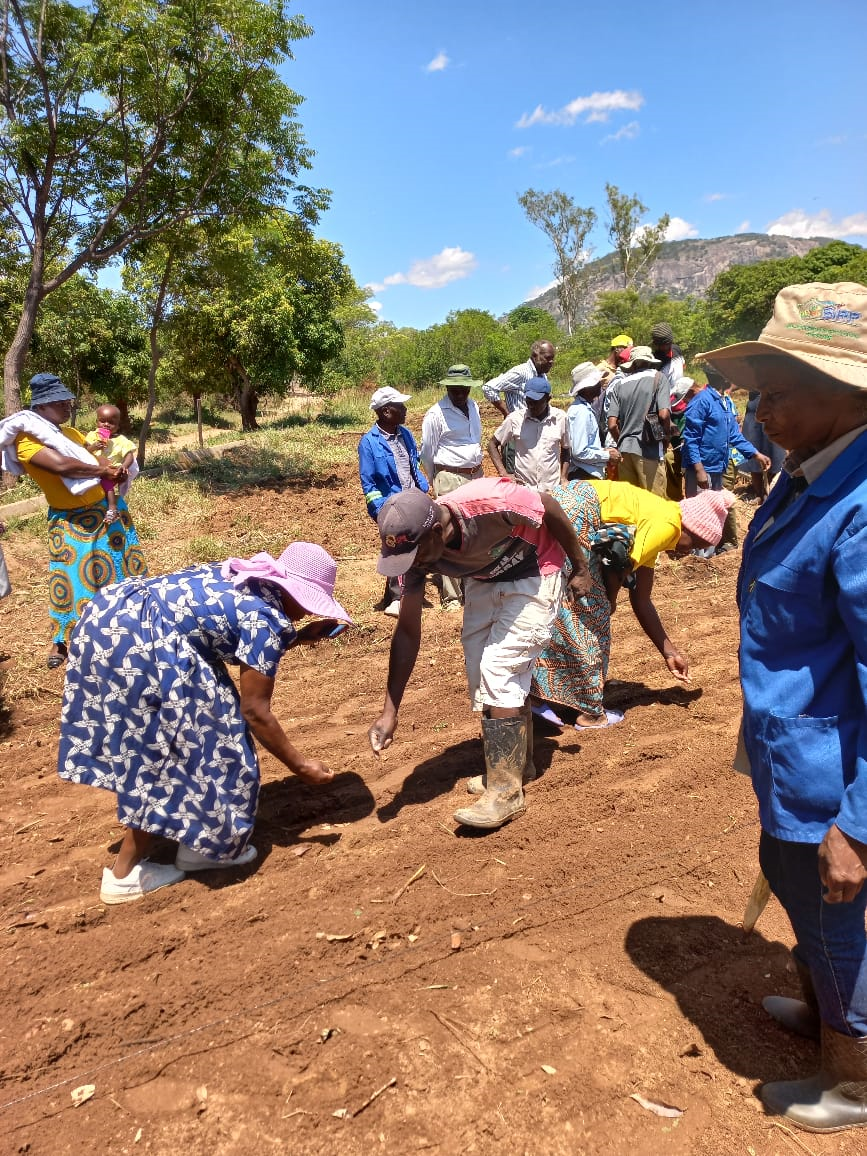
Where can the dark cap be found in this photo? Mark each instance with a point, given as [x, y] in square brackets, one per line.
[403, 521]
[46, 388]
[663, 332]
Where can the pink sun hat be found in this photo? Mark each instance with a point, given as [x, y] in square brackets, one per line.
[705, 514]
[304, 570]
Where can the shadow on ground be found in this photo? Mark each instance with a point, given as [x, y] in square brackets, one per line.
[718, 975]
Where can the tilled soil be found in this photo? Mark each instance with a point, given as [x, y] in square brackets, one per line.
[379, 981]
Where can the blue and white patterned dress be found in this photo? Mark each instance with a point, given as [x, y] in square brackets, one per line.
[149, 709]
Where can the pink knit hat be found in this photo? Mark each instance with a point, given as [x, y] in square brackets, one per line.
[705, 514]
[304, 570]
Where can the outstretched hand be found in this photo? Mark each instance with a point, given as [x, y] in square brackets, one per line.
[678, 664]
[314, 773]
[381, 734]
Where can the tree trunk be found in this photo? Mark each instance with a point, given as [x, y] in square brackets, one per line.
[16, 355]
[198, 401]
[123, 405]
[248, 399]
[156, 354]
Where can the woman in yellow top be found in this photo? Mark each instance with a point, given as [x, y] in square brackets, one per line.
[660, 525]
[84, 553]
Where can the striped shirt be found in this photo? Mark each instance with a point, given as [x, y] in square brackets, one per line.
[511, 385]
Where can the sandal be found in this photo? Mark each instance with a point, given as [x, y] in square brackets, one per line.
[612, 717]
[546, 714]
[57, 658]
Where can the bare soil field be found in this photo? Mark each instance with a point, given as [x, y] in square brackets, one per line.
[379, 981]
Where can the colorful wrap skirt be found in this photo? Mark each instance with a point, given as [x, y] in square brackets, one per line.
[572, 668]
[84, 554]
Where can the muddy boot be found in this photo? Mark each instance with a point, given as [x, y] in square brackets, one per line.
[798, 1015]
[835, 1098]
[505, 743]
[476, 785]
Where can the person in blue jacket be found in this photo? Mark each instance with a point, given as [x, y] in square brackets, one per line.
[709, 430]
[802, 594]
[387, 464]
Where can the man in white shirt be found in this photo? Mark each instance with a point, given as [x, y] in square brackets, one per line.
[451, 450]
[587, 456]
[539, 435]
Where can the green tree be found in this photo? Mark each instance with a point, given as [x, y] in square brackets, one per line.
[566, 225]
[358, 364]
[636, 245]
[121, 118]
[740, 301]
[95, 339]
[256, 307]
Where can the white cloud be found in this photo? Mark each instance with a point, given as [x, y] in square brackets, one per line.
[743, 227]
[556, 162]
[439, 63]
[519, 151]
[376, 306]
[628, 132]
[797, 223]
[717, 196]
[679, 229]
[538, 290]
[596, 107]
[432, 272]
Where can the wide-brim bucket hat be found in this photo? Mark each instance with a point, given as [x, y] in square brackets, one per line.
[304, 570]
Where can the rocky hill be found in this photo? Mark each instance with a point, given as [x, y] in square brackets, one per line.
[686, 268]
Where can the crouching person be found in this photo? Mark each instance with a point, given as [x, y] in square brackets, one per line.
[509, 545]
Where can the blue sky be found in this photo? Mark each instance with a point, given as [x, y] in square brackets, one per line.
[429, 119]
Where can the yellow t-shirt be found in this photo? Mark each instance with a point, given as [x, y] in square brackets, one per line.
[56, 493]
[656, 520]
[114, 451]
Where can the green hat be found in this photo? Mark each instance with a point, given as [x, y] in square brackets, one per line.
[460, 375]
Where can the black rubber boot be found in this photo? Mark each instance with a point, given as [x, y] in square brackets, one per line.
[832, 1100]
[798, 1015]
[476, 785]
[505, 743]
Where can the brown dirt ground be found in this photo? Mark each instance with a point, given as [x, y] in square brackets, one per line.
[599, 955]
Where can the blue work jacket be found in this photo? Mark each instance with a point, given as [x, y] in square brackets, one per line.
[802, 594]
[709, 430]
[378, 469]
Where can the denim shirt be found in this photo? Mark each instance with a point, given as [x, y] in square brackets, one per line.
[378, 469]
[802, 594]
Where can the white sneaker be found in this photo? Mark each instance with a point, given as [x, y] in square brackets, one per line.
[189, 860]
[144, 878]
[392, 610]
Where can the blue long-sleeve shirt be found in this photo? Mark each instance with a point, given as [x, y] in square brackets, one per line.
[585, 444]
[378, 469]
[802, 593]
[709, 430]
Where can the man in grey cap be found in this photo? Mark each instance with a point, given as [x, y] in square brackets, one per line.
[451, 451]
[509, 545]
[641, 390]
[387, 464]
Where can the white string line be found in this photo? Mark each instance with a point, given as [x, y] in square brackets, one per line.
[360, 969]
